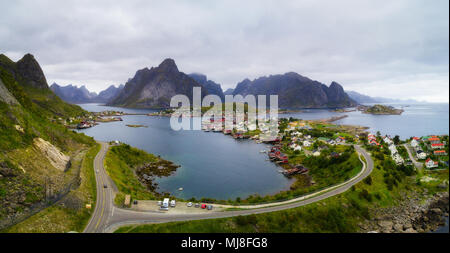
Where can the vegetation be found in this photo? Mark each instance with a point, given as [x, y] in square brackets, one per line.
[341, 213]
[25, 170]
[132, 170]
[70, 213]
[121, 163]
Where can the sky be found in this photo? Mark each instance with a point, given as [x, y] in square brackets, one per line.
[395, 49]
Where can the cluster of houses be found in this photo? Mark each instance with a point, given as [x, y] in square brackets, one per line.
[372, 139]
[434, 143]
[394, 152]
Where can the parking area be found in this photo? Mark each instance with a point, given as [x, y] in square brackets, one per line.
[180, 207]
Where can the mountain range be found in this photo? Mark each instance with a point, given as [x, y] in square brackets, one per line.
[78, 95]
[151, 88]
[154, 87]
[296, 91]
[361, 99]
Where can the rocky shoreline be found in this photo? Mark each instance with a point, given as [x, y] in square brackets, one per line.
[413, 215]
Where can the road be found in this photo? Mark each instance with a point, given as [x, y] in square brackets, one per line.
[107, 218]
[416, 163]
[105, 196]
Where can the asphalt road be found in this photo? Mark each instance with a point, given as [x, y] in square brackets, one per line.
[416, 163]
[104, 204]
[107, 218]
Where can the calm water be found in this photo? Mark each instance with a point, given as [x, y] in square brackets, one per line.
[416, 120]
[212, 164]
[217, 166]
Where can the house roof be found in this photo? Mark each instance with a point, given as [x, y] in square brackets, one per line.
[437, 144]
[433, 139]
[439, 151]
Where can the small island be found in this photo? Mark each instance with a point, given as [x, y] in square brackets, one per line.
[380, 110]
[136, 126]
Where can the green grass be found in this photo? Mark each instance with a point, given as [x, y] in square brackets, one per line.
[337, 214]
[64, 216]
[121, 162]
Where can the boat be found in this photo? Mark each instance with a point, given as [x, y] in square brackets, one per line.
[180, 189]
[262, 151]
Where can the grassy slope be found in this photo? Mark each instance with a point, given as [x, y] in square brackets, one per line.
[120, 163]
[341, 213]
[62, 217]
[35, 115]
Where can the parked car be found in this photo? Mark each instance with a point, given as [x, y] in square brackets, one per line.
[159, 203]
[210, 207]
[197, 205]
[189, 204]
[135, 202]
[105, 186]
[172, 203]
[203, 206]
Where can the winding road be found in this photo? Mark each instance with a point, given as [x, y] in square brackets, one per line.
[107, 217]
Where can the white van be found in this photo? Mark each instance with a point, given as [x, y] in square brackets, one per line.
[172, 203]
[165, 203]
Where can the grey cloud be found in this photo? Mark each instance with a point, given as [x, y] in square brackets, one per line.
[370, 46]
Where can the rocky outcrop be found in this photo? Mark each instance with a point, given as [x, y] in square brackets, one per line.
[154, 88]
[56, 158]
[6, 96]
[413, 215]
[296, 91]
[29, 68]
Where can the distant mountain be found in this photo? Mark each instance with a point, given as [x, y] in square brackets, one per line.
[110, 93]
[154, 88]
[229, 92]
[210, 86]
[361, 98]
[296, 91]
[74, 95]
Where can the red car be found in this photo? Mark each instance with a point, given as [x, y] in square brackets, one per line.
[203, 206]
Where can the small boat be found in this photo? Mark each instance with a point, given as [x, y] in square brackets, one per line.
[180, 189]
[262, 151]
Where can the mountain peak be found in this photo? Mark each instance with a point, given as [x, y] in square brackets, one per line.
[29, 68]
[169, 65]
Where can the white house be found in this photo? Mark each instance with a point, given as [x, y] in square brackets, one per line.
[295, 147]
[421, 155]
[431, 164]
[414, 143]
[387, 140]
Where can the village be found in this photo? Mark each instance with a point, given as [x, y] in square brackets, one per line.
[294, 136]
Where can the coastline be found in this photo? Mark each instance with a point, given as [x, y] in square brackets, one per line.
[414, 214]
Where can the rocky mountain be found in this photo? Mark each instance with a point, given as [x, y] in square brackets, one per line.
[154, 88]
[73, 94]
[78, 95]
[296, 91]
[229, 92]
[107, 95]
[210, 86]
[35, 145]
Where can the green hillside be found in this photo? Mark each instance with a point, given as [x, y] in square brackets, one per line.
[30, 111]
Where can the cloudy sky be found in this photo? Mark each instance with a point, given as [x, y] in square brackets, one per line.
[397, 49]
